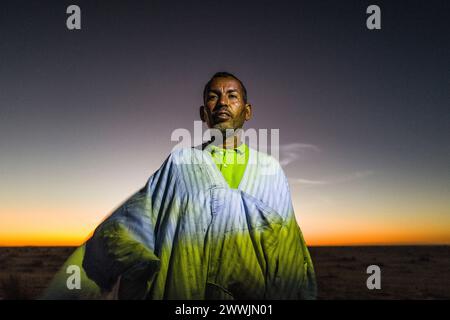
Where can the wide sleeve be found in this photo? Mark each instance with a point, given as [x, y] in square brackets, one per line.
[294, 276]
[122, 251]
[121, 260]
[117, 256]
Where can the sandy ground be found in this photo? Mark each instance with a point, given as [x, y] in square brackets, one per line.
[407, 272]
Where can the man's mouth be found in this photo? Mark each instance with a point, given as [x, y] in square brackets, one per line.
[222, 115]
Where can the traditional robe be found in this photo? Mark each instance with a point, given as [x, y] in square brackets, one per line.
[187, 235]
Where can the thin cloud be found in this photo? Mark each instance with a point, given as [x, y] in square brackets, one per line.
[342, 179]
[293, 151]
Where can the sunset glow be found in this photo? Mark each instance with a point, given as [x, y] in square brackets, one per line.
[87, 115]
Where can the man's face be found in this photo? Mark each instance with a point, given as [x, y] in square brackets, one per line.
[224, 105]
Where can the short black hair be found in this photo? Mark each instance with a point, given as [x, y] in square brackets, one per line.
[224, 74]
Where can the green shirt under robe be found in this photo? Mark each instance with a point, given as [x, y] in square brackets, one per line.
[230, 162]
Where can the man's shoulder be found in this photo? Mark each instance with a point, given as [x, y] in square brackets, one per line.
[265, 161]
[186, 155]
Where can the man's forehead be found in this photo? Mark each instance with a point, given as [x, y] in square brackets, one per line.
[224, 83]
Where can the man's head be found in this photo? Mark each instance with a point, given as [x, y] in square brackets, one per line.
[225, 102]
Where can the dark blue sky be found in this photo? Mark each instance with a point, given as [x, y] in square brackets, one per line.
[104, 100]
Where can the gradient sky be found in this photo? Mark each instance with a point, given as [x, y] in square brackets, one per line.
[86, 116]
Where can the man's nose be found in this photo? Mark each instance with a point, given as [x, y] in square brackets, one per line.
[223, 101]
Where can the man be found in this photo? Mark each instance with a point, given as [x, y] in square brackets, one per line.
[212, 223]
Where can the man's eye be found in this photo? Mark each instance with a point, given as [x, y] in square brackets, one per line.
[211, 97]
[233, 96]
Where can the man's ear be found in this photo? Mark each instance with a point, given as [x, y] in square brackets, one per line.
[248, 112]
[202, 113]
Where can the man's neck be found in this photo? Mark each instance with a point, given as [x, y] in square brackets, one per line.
[231, 142]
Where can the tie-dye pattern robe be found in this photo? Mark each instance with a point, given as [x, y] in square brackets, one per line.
[187, 235]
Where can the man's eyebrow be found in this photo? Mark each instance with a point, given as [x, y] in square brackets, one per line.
[218, 91]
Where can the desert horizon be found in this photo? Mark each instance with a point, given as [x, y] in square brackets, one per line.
[407, 271]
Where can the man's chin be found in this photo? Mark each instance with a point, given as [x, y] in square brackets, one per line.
[223, 126]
